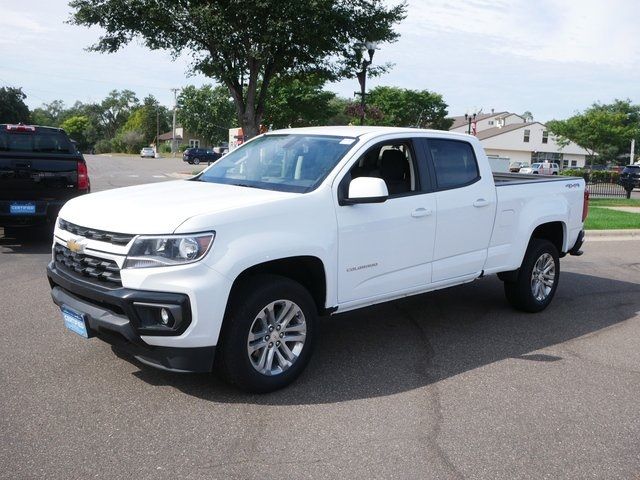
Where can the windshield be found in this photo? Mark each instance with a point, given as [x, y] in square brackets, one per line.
[287, 163]
[536, 165]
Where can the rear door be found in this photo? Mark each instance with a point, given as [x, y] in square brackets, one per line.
[386, 248]
[466, 203]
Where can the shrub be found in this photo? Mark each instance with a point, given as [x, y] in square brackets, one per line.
[593, 176]
[103, 146]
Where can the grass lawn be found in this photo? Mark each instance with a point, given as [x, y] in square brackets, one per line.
[605, 219]
[614, 202]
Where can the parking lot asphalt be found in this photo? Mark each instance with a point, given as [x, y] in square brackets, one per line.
[451, 384]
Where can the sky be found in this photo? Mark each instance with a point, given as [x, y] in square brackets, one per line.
[550, 57]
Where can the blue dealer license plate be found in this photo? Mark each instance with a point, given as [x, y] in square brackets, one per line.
[22, 208]
[75, 322]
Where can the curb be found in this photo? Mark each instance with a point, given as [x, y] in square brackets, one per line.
[612, 235]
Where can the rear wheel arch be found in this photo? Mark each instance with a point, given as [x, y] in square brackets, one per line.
[555, 232]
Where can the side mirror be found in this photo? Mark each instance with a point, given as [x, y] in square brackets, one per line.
[367, 190]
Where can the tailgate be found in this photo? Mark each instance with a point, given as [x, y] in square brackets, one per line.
[46, 178]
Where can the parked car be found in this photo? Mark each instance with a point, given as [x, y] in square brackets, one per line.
[299, 224]
[515, 167]
[542, 169]
[147, 152]
[40, 169]
[195, 156]
[630, 174]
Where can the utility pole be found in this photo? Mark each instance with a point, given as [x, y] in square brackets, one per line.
[633, 151]
[157, 130]
[173, 134]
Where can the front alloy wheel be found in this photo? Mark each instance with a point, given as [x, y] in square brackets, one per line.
[268, 333]
[276, 337]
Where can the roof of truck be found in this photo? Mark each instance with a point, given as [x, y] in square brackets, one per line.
[358, 131]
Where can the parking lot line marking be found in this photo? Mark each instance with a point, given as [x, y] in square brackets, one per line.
[158, 176]
[134, 176]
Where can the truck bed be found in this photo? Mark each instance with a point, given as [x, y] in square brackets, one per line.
[502, 179]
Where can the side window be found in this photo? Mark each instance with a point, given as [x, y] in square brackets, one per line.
[454, 162]
[394, 162]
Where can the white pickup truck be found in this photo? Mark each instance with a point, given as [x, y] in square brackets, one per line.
[235, 267]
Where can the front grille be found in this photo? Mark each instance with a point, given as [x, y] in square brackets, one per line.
[97, 270]
[93, 234]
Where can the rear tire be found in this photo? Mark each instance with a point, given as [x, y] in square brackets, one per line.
[268, 334]
[537, 279]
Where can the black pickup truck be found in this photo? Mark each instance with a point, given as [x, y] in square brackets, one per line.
[40, 169]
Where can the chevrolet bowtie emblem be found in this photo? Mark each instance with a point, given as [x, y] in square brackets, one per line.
[75, 245]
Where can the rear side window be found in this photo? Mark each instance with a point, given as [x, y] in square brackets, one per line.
[39, 141]
[454, 161]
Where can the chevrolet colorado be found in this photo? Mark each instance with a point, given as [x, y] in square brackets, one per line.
[235, 266]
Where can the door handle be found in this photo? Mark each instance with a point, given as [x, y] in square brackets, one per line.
[421, 212]
[481, 202]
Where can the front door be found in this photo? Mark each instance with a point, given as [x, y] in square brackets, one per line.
[386, 248]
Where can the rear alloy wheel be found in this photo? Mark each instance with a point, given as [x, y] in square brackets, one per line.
[268, 333]
[196, 161]
[537, 278]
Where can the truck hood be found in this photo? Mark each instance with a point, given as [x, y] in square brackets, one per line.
[160, 208]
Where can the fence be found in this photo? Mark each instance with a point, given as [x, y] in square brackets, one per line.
[599, 188]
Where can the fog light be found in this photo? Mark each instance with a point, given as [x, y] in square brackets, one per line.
[165, 316]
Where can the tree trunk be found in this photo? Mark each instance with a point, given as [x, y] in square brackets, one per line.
[248, 118]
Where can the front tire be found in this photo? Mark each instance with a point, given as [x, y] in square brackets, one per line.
[196, 161]
[268, 334]
[537, 279]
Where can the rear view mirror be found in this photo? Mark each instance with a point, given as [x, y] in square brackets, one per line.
[367, 190]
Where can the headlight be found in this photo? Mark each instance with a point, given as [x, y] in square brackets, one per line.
[168, 250]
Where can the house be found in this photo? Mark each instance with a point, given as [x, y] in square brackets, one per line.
[506, 135]
[484, 121]
[184, 139]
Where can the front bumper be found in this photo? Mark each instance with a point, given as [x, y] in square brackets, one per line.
[112, 316]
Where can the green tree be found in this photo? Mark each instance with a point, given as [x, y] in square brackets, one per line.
[50, 114]
[148, 119]
[299, 102]
[339, 106]
[79, 129]
[12, 106]
[244, 45]
[207, 111]
[114, 111]
[401, 107]
[604, 131]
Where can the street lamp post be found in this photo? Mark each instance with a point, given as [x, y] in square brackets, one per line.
[370, 47]
[469, 118]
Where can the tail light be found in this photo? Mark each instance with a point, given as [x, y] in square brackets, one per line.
[21, 127]
[83, 176]
[585, 205]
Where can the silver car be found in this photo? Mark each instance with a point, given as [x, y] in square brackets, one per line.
[147, 152]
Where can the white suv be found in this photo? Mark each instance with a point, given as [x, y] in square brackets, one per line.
[541, 169]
